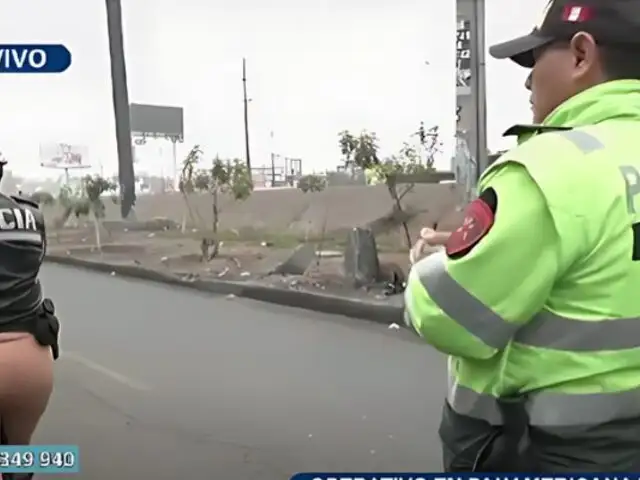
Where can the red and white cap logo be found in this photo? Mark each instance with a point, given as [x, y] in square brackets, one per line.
[576, 13]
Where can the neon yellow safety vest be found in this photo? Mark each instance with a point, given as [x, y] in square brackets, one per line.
[561, 325]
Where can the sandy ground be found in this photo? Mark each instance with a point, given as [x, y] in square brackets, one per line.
[263, 231]
[253, 260]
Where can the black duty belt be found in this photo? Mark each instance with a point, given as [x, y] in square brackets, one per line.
[43, 325]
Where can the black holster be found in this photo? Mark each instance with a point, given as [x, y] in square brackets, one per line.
[473, 445]
[43, 325]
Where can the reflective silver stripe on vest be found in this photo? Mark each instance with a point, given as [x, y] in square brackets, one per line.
[544, 330]
[586, 142]
[460, 305]
[465, 401]
[548, 330]
[551, 409]
[20, 236]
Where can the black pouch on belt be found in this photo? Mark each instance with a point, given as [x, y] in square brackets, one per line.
[47, 327]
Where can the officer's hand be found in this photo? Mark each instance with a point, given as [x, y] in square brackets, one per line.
[429, 235]
[427, 239]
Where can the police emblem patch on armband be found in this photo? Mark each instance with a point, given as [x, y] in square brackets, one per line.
[478, 220]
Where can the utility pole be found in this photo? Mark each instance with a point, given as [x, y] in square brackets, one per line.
[120, 95]
[273, 162]
[479, 86]
[246, 115]
[471, 118]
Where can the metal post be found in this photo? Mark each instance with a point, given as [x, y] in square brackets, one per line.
[273, 162]
[478, 85]
[174, 153]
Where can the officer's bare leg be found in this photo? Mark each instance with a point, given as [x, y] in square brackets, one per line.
[26, 382]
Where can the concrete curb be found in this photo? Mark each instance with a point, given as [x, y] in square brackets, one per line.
[378, 312]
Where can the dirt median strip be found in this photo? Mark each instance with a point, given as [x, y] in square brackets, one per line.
[386, 312]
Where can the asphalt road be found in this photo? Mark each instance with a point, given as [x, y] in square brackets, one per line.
[157, 382]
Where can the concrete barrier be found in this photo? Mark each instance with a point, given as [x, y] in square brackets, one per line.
[335, 208]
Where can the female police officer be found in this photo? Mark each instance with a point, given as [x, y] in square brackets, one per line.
[28, 326]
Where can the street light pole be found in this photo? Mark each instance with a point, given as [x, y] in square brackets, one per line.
[120, 96]
[246, 115]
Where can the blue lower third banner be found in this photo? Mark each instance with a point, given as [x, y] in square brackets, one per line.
[60, 459]
[464, 476]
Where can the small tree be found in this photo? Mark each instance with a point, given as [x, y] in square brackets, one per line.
[186, 185]
[225, 177]
[430, 145]
[92, 204]
[358, 150]
[69, 199]
[411, 161]
[312, 183]
[348, 145]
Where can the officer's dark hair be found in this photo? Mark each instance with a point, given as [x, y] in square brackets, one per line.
[620, 63]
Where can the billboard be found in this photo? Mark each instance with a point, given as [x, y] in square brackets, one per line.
[63, 155]
[157, 121]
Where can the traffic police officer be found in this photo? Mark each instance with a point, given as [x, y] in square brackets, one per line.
[28, 326]
[535, 297]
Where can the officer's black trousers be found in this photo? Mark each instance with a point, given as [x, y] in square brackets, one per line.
[470, 444]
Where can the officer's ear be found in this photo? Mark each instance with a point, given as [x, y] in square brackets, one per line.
[584, 50]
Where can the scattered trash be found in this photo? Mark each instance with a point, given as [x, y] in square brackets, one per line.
[395, 287]
[223, 272]
[126, 230]
[231, 295]
[194, 230]
[266, 244]
[329, 254]
[190, 277]
[245, 274]
[151, 235]
[394, 326]
[113, 274]
[310, 435]
[164, 259]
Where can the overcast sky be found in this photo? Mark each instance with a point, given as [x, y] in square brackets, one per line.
[314, 68]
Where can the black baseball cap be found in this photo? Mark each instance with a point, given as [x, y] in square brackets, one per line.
[610, 22]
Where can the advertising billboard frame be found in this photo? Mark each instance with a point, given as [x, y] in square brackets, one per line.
[157, 121]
